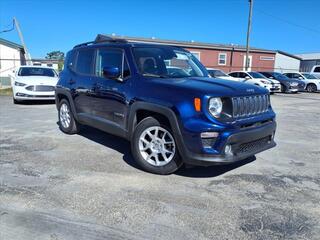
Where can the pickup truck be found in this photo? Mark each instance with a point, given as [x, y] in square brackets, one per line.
[315, 71]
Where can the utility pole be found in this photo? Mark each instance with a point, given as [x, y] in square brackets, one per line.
[248, 35]
[26, 53]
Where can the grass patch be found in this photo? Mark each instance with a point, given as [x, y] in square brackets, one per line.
[6, 92]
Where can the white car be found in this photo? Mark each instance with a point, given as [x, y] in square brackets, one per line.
[311, 81]
[315, 71]
[216, 73]
[258, 79]
[34, 83]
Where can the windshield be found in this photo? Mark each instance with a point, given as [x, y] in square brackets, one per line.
[217, 73]
[256, 75]
[33, 71]
[280, 76]
[309, 76]
[167, 62]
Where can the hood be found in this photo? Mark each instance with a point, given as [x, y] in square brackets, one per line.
[230, 78]
[208, 86]
[37, 80]
[273, 80]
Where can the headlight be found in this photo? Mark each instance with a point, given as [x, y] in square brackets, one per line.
[265, 82]
[215, 106]
[19, 84]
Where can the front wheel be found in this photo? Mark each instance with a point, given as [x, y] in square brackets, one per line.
[311, 87]
[67, 122]
[154, 147]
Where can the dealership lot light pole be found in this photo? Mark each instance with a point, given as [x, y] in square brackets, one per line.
[248, 36]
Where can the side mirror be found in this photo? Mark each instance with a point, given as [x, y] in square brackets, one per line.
[271, 77]
[247, 78]
[301, 78]
[111, 72]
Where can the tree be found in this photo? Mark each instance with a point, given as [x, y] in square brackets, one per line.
[56, 55]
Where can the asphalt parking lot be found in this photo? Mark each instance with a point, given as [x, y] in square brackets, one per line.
[55, 186]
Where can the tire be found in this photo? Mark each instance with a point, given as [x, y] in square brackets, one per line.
[149, 142]
[67, 122]
[15, 101]
[283, 89]
[311, 87]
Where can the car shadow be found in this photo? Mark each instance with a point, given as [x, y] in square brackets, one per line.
[211, 171]
[119, 144]
[123, 146]
[36, 102]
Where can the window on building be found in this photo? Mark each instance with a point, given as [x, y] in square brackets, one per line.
[222, 59]
[85, 61]
[196, 54]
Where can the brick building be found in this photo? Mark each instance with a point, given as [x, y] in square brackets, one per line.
[225, 57]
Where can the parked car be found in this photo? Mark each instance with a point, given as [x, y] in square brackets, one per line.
[312, 82]
[216, 73]
[177, 71]
[34, 83]
[124, 89]
[287, 85]
[315, 71]
[258, 79]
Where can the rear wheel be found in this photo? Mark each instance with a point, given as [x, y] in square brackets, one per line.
[154, 148]
[67, 122]
[311, 87]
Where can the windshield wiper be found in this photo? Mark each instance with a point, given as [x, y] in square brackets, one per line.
[153, 75]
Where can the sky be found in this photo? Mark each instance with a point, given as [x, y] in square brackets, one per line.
[288, 25]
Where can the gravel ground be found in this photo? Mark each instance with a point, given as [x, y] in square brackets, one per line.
[55, 186]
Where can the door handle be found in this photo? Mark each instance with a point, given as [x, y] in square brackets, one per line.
[71, 81]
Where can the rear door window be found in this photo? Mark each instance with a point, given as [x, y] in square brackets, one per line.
[317, 69]
[85, 61]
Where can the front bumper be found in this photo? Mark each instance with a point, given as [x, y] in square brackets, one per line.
[43, 96]
[275, 88]
[243, 144]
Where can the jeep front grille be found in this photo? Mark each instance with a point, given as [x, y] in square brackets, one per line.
[249, 106]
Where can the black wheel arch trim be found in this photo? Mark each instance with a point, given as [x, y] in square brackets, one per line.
[165, 111]
[67, 94]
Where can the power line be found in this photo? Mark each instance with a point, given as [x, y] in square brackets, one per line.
[8, 30]
[289, 22]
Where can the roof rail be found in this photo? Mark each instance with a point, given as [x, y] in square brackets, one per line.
[102, 38]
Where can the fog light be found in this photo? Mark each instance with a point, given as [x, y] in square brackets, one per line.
[228, 150]
[209, 135]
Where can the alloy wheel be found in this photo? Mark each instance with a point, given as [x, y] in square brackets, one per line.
[65, 118]
[157, 146]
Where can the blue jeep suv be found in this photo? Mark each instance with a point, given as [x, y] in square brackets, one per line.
[161, 99]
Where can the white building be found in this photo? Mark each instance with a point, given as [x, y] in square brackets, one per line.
[11, 57]
[285, 62]
[46, 62]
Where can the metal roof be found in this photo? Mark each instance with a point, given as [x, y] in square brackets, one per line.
[309, 56]
[10, 44]
[289, 55]
[187, 44]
